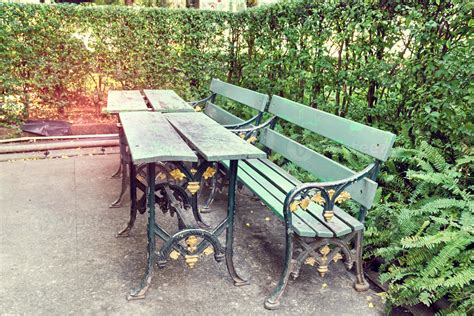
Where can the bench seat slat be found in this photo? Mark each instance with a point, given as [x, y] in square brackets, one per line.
[322, 167]
[220, 115]
[288, 182]
[301, 228]
[319, 228]
[338, 227]
[271, 186]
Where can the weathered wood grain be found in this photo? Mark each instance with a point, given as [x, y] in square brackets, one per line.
[167, 101]
[125, 101]
[366, 139]
[151, 138]
[251, 98]
[213, 141]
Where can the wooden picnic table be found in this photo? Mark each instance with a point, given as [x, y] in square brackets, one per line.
[122, 101]
[154, 138]
[119, 101]
[125, 101]
[167, 101]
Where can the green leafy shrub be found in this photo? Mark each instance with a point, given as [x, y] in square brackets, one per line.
[429, 232]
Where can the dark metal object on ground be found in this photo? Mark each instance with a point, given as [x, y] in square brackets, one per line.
[47, 127]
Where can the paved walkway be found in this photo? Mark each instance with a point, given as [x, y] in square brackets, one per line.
[58, 253]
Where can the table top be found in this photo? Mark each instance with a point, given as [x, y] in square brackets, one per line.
[167, 101]
[212, 140]
[152, 139]
[125, 101]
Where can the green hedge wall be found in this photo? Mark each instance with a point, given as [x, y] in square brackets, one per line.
[52, 51]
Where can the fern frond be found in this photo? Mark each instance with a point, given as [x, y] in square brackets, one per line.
[460, 279]
[433, 156]
[445, 256]
[428, 241]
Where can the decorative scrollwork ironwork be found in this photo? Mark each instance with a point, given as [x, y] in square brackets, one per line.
[193, 187]
[177, 174]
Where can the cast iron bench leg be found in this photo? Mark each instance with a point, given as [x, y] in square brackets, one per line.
[122, 168]
[273, 301]
[360, 284]
[118, 202]
[238, 281]
[116, 175]
[212, 195]
[122, 145]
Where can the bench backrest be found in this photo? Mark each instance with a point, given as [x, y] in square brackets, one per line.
[365, 139]
[257, 101]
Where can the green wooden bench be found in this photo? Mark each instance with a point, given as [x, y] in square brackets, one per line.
[229, 92]
[212, 106]
[323, 230]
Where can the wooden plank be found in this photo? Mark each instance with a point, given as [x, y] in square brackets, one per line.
[151, 138]
[275, 205]
[269, 180]
[125, 101]
[167, 101]
[322, 167]
[220, 115]
[213, 141]
[251, 98]
[366, 139]
[288, 182]
[301, 215]
[348, 219]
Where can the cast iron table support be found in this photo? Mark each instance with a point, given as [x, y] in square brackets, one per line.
[124, 160]
[195, 248]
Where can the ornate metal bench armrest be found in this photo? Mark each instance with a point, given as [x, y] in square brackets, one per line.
[324, 193]
[197, 102]
[254, 128]
[249, 132]
[242, 124]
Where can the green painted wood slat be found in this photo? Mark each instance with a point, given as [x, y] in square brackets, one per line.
[366, 139]
[212, 140]
[125, 101]
[322, 167]
[261, 172]
[167, 101]
[272, 188]
[287, 182]
[152, 139]
[254, 99]
[220, 115]
[301, 228]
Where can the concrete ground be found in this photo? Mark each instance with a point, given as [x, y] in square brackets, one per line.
[59, 254]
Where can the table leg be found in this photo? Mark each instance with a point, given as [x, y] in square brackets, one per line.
[116, 175]
[212, 195]
[121, 145]
[133, 204]
[122, 167]
[139, 293]
[238, 281]
[195, 207]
